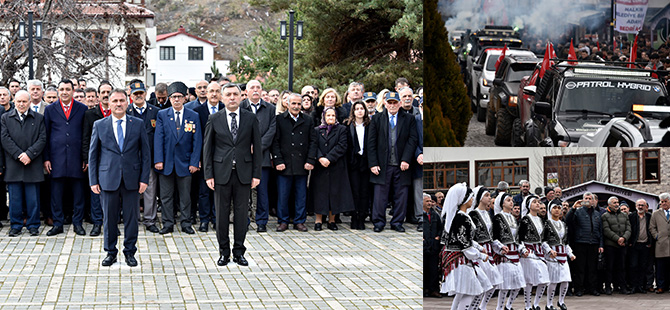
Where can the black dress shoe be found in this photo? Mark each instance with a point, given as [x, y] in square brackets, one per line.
[596, 293]
[332, 226]
[153, 229]
[608, 291]
[188, 230]
[419, 227]
[79, 230]
[95, 231]
[318, 226]
[562, 306]
[34, 231]
[398, 228]
[166, 230]
[109, 260]
[55, 231]
[240, 260]
[223, 260]
[214, 225]
[204, 227]
[378, 228]
[579, 293]
[130, 260]
[261, 228]
[14, 232]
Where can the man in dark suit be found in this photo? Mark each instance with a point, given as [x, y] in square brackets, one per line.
[23, 141]
[265, 113]
[294, 154]
[102, 110]
[64, 120]
[201, 93]
[161, 101]
[205, 198]
[417, 173]
[392, 145]
[231, 170]
[177, 147]
[119, 163]
[354, 93]
[639, 245]
[147, 113]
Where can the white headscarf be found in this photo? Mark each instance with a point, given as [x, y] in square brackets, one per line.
[478, 192]
[525, 205]
[456, 196]
[497, 207]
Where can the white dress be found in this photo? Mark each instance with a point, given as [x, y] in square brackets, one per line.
[534, 268]
[558, 268]
[466, 278]
[491, 271]
[510, 268]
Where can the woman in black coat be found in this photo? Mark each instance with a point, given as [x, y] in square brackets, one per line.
[357, 162]
[330, 99]
[329, 183]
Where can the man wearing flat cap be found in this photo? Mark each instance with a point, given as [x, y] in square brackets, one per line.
[177, 146]
[148, 113]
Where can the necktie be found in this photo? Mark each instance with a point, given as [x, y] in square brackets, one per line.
[667, 215]
[36, 109]
[255, 108]
[23, 117]
[119, 134]
[213, 110]
[141, 110]
[67, 109]
[233, 125]
[392, 121]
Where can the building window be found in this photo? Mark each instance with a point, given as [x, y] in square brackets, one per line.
[194, 53]
[167, 52]
[570, 170]
[651, 166]
[438, 176]
[489, 173]
[631, 167]
[134, 59]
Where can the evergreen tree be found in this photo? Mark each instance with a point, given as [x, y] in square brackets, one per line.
[446, 108]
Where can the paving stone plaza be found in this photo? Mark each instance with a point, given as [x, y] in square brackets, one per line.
[345, 269]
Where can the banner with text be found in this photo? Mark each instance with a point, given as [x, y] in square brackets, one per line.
[630, 15]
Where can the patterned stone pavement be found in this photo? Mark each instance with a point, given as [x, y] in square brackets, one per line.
[345, 269]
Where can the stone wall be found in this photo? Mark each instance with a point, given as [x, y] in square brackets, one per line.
[616, 171]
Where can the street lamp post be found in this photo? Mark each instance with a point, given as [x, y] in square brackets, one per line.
[290, 36]
[27, 33]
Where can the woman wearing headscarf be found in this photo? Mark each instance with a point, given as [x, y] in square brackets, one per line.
[505, 231]
[483, 237]
[307, 104]
[357, 162]
[535, 271]
[329, 183]
[555, 245]
[459, 257]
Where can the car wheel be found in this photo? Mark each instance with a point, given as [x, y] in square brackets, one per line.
[503, 127]
[490, 125]
[517, 133]
[533, 135]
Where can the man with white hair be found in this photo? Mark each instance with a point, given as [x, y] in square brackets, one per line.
[588, 242]
[659, 227]
[639, 245]
[36, 90]
[525, 191]
[616, 231]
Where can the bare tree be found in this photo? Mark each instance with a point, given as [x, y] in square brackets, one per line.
[79, 38]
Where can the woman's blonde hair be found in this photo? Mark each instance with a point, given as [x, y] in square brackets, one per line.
[338, 99]
[280, 105]
[380, 100]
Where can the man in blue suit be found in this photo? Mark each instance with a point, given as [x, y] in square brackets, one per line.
[119, 163]
[148, 113]
[64, 120]
[177, 146]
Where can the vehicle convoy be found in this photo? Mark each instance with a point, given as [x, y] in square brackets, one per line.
[572, 100]
[485, 71]
[475, 43]
[502, 108]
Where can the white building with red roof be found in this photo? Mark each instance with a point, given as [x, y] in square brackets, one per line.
[181, 56]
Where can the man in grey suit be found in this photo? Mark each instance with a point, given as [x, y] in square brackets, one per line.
[119, 163]
[36, 90]
[231, 170]
[265, 113]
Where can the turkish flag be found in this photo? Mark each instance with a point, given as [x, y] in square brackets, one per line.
[572, 55]
[547, 62]
[633, 53]
[502, 56]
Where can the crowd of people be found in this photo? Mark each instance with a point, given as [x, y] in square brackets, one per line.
[478, 242]
[200, 149]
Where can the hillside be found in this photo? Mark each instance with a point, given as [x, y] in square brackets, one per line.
[226, 23]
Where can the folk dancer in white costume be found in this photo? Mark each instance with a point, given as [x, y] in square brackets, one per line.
[535, 270]
[460, 259]
[485, 243]
[555, 245]
[505, 231]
